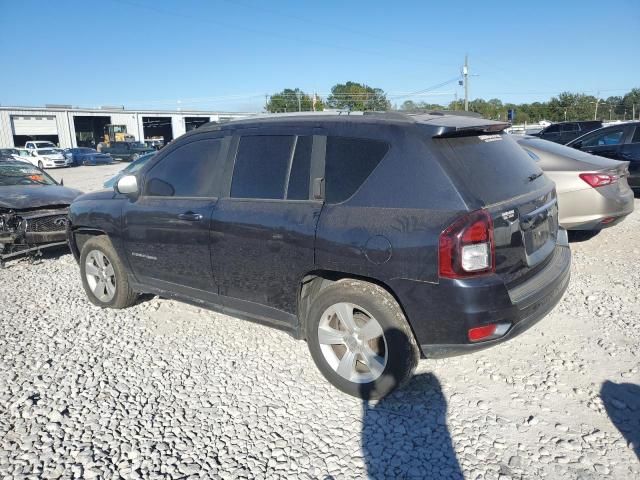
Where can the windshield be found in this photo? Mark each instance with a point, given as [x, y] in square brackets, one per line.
[23, 175]
[138, 164]
[45, 151]
[44, 145]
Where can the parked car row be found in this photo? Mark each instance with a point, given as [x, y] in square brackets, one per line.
[378, 239]
[619, 141]
[45, 154]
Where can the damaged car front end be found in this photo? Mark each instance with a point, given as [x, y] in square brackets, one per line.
[33, 210]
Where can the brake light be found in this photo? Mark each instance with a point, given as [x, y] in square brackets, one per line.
[599, 179]
[466, 247]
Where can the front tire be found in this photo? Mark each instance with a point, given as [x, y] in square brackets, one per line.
[104, 277]
[40, 165]
[359, 339]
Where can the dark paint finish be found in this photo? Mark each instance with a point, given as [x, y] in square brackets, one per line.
[168, 241]
[87, 156]
[564, 132]
[248, 257]
[261, 250]
[627, 150]
[19, 197]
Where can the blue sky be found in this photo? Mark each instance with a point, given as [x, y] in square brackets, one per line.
[226, 54]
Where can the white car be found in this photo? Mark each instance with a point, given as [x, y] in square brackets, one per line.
[45, 154]
[48, 158]
[36, 144]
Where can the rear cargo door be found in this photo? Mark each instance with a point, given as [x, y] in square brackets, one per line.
[494, 173]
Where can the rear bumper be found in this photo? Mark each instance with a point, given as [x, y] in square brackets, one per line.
[452, 307]
[587, 209]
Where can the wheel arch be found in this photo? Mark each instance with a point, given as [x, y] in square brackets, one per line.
[315, 281]
[79, 236]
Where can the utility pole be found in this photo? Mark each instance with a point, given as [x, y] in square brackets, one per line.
[595, 115]
[299, 102]
[633, 109]
[465, 74]
[266, 102]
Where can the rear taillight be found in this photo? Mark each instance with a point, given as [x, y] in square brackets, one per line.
[466, 247]
[599, 179]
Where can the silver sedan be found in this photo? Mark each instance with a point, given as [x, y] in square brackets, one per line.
[593, 192]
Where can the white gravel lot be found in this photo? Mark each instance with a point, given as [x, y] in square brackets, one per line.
[167, 390]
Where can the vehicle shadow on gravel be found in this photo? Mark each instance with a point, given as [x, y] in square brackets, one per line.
[579, 236]
[35, 257]
[405, 434]
[622, 402]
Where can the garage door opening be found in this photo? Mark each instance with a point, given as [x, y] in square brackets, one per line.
[20, 140]
[89, 130]
[34, 127]
[191, 123]
[157, 128]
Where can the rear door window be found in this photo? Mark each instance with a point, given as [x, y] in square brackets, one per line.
[348, 163]
[493, 168]
[272, 167]
[261, 166]
[636, 135]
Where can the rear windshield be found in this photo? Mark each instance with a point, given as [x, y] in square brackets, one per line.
[493, 168]
[556, 149]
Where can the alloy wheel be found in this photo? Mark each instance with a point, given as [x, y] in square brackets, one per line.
[100, 275]
[352, 342]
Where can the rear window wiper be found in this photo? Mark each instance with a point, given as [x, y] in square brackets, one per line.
[533, 176]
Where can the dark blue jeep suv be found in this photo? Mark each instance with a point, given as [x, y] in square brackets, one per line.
[376, 238]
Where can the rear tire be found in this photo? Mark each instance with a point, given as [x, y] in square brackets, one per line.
[104, 277]
[370, 353]
[40, 165]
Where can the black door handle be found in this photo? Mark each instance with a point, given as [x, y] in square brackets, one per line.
[190, 217]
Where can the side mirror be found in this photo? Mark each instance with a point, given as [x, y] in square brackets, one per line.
[127, 185]
[34, 154]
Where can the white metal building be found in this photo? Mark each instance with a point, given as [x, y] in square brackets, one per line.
[71, 127]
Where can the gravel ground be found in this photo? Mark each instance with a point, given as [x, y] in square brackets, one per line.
[167, 390]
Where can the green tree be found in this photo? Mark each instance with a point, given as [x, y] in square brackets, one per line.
[631, 103]
[411, 106]
[357, 97]
[287, 101]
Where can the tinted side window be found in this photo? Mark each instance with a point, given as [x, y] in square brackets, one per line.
[188, 171]
[348, 163]
[552, 129]
[261, 166]
[612, 137]
[569, 127]
[298, 188]
[636, 135]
